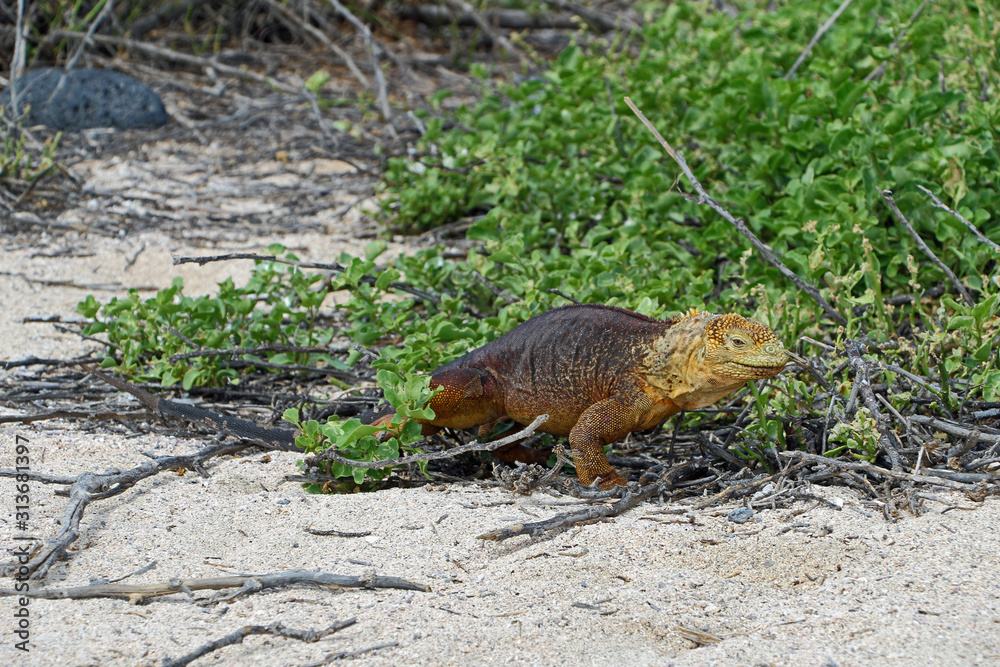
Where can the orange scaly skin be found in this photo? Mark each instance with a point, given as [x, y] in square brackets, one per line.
[600, 373]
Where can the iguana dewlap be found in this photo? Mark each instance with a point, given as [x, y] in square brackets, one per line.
[600, 373]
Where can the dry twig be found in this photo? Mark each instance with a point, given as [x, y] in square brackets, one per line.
[374, 48]
[335, 267]
[887, 196]
[485, 26]
[815, 40]
[320, 37]
[864, 466]
[859, 367]
[97, 486]
[880, 70]
[343, 655]
[981, 434]
[960, 217]
[237, 636]
[704, 198]
[597, 20]
[474, 446]
[175, 56]
[633, 494]
[94, 25]
[247, 584]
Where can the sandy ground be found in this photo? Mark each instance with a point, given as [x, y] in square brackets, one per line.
[842, 587]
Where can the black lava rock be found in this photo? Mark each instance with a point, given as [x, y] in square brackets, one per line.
[87, 98]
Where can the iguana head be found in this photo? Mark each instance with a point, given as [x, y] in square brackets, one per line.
[703, 357]
[741, 349]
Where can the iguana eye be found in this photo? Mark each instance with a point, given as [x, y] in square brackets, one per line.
[738, 342]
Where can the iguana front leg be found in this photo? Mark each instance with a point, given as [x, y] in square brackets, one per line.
[600, 424]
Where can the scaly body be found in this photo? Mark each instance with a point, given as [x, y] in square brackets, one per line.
[600, 373]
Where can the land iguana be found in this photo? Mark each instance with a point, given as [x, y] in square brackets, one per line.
[599, 372]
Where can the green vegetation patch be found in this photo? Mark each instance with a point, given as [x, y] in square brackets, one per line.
[567, 194]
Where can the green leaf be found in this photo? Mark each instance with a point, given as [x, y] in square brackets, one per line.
[386, 277]
[291, 415]
[986, 308]
[961, 322]
[504, 256]
[190, 378]
[984, 352]
[315, 82]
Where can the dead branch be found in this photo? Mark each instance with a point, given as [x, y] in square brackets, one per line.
[981, 434]
[880, 70]
[518, 19]
[97, 486]
[960, 217]
[336, 533]
[35, 476]
[633, 494]
[249, 432]
[474, 446]
[859, 367]
[343, 655]
[69, 414]
[320, 37]
[596, 20]
[237, 636]
[815, 40]
[18, 58]
[507, 297]
[321, 370]
[374, 48]
[86, 41]
[766, 252]
[162, 14]
[187, 59]
[565, 296]
[335, 267]
[240, 351]
[890, 202]
[929, 386]
[804, 363]
[484, 25]
[525, 479]
[699, 637]
[253, 583]
[885, 473]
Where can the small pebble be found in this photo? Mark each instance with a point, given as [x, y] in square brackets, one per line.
[740, 515]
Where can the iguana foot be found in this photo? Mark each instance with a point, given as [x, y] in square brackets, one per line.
[611, 481]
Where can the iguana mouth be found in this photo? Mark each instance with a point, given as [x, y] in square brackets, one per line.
[772, 367]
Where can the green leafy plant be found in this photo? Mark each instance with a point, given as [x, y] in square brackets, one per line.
[859, 437]
[408, 395]
[558, 156]
[18, 163]
[279, 306]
